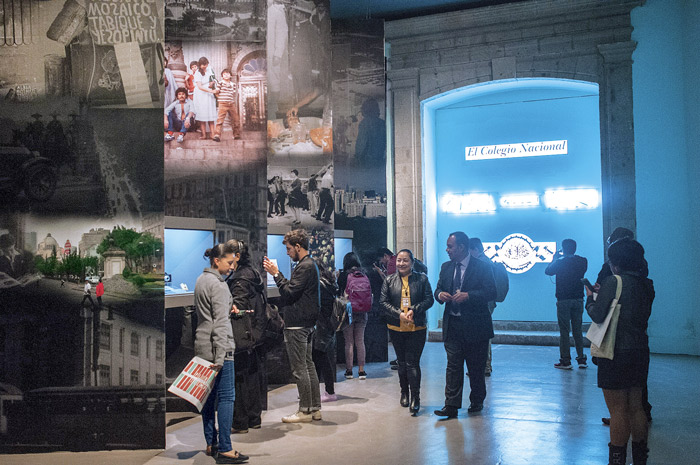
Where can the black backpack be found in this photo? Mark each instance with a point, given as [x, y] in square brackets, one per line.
[259, 328]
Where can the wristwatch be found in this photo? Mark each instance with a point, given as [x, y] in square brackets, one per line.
[276, 274]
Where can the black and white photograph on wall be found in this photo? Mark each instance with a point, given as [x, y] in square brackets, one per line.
[300, 194]
[239, 20]
[59, 156]
[214, 97]
[298, 49]
[82, 335]
[359, 132]
[100, 52]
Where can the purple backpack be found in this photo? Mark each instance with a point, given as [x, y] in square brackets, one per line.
[359, 292]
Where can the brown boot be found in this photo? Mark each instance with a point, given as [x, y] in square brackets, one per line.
[640, 453]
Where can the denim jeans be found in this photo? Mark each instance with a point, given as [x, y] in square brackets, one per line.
[569, 317]
[220, 401]
[298, 342]
[175, 124]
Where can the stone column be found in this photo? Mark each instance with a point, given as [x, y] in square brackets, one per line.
[408, 188]
[617, 137]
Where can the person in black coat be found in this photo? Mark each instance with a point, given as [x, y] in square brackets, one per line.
[624, 378]
[247, 289]
[465, 287]
[323, 344]
[406, 297]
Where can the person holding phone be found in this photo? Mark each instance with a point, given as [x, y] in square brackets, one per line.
[569, 270]
[214, 343]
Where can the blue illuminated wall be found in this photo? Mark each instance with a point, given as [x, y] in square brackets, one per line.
[510, 112]
[666, 120]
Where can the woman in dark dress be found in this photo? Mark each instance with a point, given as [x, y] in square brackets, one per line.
[296, 197]
[406, 296]
[624, 377]
[247, 287]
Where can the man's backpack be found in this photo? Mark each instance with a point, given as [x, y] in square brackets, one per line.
[359, 292]
[501, 276]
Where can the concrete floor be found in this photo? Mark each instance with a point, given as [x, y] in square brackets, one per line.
[534, 414]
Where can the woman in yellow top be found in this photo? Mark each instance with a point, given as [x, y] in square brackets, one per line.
[406, 296]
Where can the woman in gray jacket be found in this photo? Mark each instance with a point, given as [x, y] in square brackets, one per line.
[214, 343]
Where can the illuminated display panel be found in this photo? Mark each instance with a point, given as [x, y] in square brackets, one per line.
[184, 258]
[512, 113]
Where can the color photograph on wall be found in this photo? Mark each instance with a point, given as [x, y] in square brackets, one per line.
[214, 95]
[82, 321]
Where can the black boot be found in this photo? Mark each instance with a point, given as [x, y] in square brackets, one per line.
[404, 399]
[640, 453]
[618, 455]
[415, 403]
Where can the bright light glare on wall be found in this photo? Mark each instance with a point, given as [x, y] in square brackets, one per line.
[525, 200]
[571, 199]
[468, 203]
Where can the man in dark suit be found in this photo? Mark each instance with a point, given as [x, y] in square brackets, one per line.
[465, 286]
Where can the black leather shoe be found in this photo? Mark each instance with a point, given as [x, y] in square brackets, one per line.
[404, 399]
[224, 459]
[446, 411]
[474, 407]
[415, 405]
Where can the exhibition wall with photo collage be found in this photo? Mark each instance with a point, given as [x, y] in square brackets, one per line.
[273, 120]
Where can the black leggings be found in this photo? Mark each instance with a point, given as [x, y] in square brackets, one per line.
[408, 346]
[325, 367]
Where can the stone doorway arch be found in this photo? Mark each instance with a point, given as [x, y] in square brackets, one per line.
[585, 40]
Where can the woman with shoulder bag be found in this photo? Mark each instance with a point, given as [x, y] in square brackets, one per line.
[405, 298]
[214, 343]
[623, 378]
[247, 287]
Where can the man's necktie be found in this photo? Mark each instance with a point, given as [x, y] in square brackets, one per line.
[457, 281]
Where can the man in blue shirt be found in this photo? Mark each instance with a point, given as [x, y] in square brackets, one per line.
[178, 116]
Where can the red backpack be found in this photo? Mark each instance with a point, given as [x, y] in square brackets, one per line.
[359, 292]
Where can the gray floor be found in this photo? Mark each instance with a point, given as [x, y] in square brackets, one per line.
[534, 414]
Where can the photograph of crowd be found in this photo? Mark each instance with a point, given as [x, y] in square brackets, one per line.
[240, 20]
[301, 196]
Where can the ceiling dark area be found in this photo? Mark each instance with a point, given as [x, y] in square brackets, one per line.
[399, 9]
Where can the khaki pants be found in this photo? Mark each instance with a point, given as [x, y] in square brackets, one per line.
[232, 110]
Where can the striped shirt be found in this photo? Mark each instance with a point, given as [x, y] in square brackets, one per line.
[227, 92]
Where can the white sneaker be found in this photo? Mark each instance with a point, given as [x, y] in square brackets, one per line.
[299, 417]
[316, 415]
[180, 138]
[325, 397]
[169, 137]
